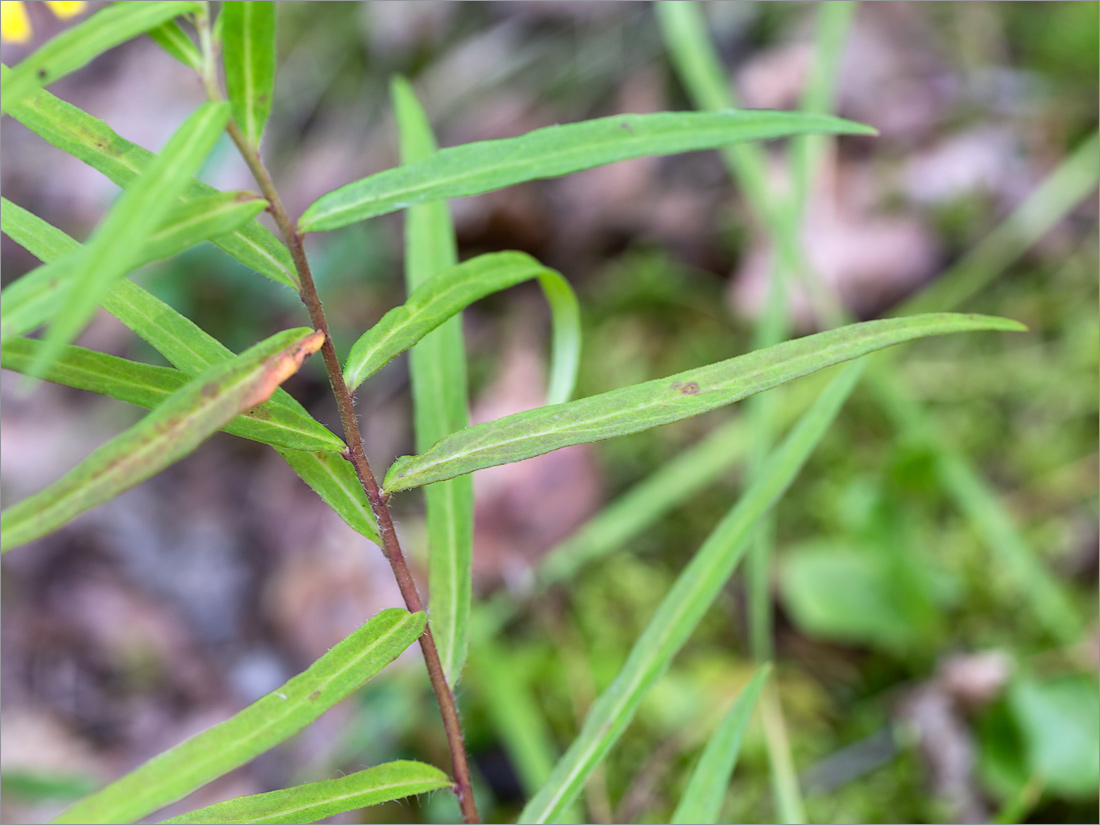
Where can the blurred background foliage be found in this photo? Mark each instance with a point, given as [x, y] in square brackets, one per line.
[916, 686]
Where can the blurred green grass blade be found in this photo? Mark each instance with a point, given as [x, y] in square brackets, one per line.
[708, 87]
[706, 790]
[333, 478]
[94, 142]
[116, 243]
[437, 372]
[174, 40]
[484, 166]
[685, 34]
[452, 290]
[315, 801]
[645, 503]
[147, 386]
[789, 807]
[1038, 588]
[785, 223]
[684, 606]
[259, 727]
[177, 338]
[514, 713]
[248, 47]
[833, 22]
[1069, 184]
[35, 298]
[175, 428]
[80, 44]
[626, 517]
[642, 406]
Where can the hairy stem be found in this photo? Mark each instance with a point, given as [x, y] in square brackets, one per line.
[391, 547]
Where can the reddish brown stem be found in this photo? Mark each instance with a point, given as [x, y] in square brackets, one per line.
[391, 547]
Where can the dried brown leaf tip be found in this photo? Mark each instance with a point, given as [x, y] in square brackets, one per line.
[284, 365]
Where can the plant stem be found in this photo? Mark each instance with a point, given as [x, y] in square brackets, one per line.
[391, 547]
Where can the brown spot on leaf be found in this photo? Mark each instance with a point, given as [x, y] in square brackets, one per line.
[313, 697]
[210, 390]
[690, 388]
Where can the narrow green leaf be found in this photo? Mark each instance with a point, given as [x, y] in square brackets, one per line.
[175, 337]
[148, 386]
[565, 345]
[131, 381]
[36, 297]
[259, 727]
[437, 372]
[116, 243]
[43, 240]
[192, 350]
[80, 44]
[333, 478]
[248, 38]
[451, 291]
[640, 407]
[171, 431]
[684, 605]
[706, 790]
[174, 40]
[475, 168]
[92, 141]
[318, 800]
[201, 219]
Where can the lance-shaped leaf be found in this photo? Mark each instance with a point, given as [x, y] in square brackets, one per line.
[258, 728]
[454, 289]
[116, 244]
[640, 407]
[437, 373]
[475, 168]
[94, 142]
[175, 337]
[684, 606]
[192, 350]
[175, 428]
[77, 46]
[185, 344]
[174, 40]
[248, 38]
[202, 219]
[318, 800]
[332, 477]
[706, 790]
[148, 386]
[36, 297]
